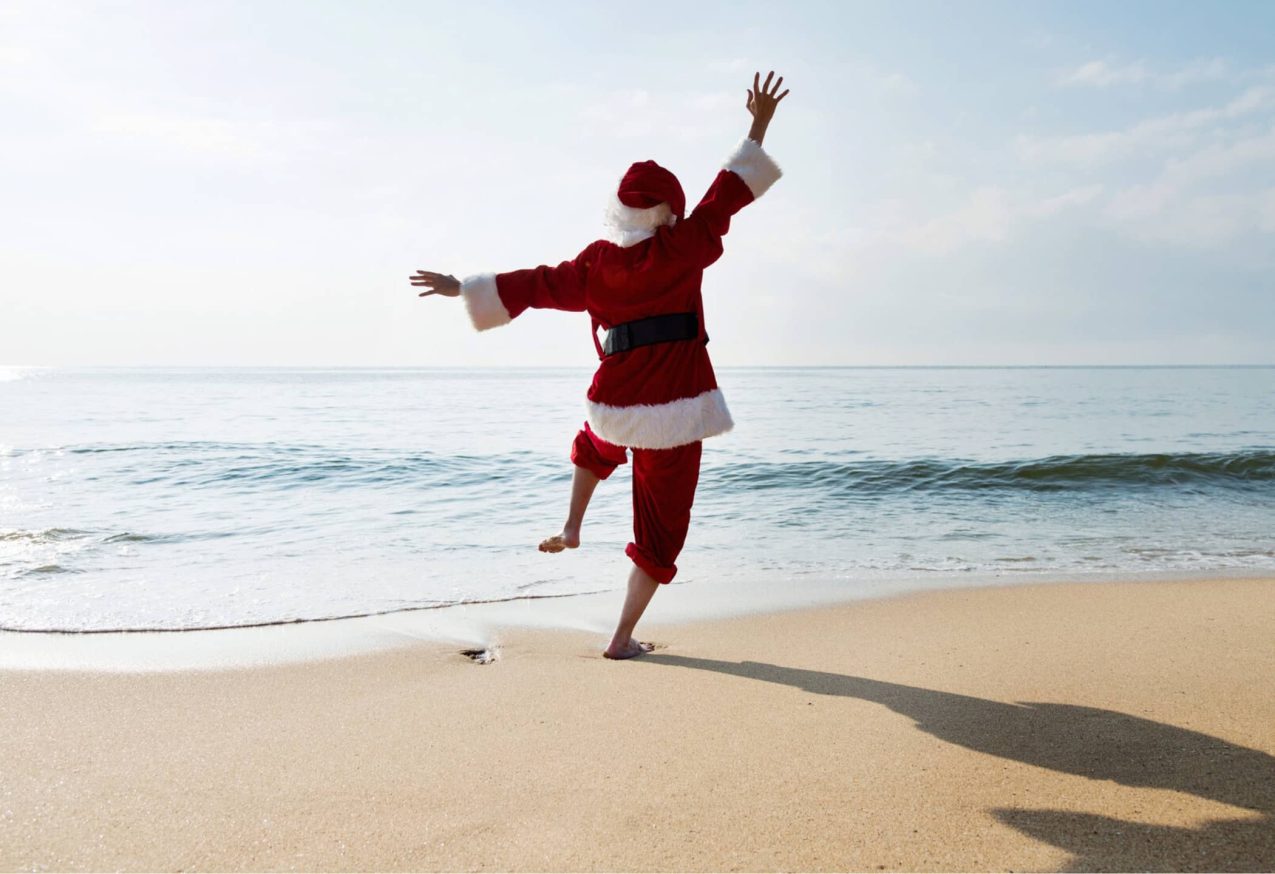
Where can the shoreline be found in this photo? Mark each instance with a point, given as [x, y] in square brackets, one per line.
[480, 624]
[1089, 726]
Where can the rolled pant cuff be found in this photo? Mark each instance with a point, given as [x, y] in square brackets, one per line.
[587, 454]
[659, 573]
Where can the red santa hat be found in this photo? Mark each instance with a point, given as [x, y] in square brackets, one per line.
[647, 184]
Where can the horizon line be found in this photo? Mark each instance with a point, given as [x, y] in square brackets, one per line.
[588, 366]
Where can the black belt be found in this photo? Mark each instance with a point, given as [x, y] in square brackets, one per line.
[656, 329]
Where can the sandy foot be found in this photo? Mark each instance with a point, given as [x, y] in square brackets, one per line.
[632, 649]
[568, 539]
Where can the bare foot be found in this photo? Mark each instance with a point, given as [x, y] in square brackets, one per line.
[629, 650]
[568, 539]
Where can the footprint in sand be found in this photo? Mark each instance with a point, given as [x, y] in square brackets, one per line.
[482, 656]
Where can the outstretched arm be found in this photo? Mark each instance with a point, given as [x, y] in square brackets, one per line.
[482, 298]
[436, 283]
[494, 299]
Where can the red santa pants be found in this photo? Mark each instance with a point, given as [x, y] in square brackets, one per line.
[664, 483]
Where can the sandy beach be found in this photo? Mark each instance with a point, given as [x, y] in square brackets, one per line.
[1045, 727]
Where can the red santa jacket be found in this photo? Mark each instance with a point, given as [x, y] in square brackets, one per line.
[665, 394]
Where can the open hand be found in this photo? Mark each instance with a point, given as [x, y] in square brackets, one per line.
[436, 283]
[761, 97]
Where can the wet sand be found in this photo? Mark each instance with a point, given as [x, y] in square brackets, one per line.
[1071, 726]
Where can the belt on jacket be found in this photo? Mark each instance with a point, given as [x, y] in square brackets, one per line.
[655, 329]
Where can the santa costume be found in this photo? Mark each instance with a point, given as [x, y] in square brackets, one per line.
[654, 391]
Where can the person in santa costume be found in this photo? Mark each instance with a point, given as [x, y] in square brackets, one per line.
[654, 392]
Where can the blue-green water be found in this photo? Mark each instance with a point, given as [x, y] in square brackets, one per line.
[195, 498]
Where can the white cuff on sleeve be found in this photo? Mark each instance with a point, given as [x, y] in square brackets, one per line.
[482, 301]
[754, 166]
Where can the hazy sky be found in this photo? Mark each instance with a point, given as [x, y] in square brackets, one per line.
[1019, 183]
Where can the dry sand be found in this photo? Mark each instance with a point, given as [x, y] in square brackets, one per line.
[1068, 726]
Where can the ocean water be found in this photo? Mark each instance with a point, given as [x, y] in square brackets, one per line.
[201, 498]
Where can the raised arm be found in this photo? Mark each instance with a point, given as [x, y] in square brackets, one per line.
[746, 175]
[494, 299]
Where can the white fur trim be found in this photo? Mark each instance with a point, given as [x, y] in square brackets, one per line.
[754, 166]
[628, 225]
[662, 426]
[482, 301]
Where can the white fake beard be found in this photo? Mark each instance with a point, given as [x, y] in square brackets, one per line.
[628, 225]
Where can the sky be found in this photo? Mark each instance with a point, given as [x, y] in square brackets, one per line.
[251, 183]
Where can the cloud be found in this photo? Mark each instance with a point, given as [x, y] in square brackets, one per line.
[638, 113]
[914, 230]
[187, 135]
[14, 56]
[1100, 74]
[868, 77]
[1058, 203]
[986, 216]
[1266, 211]
[1163, 133]
[729, 65]
[1103, 74]
[1210, 198]
[1195, 178]
[897, 83]
[1196, 220]
[1211, 70]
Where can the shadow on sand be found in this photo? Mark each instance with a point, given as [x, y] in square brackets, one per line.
[1089, 742]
